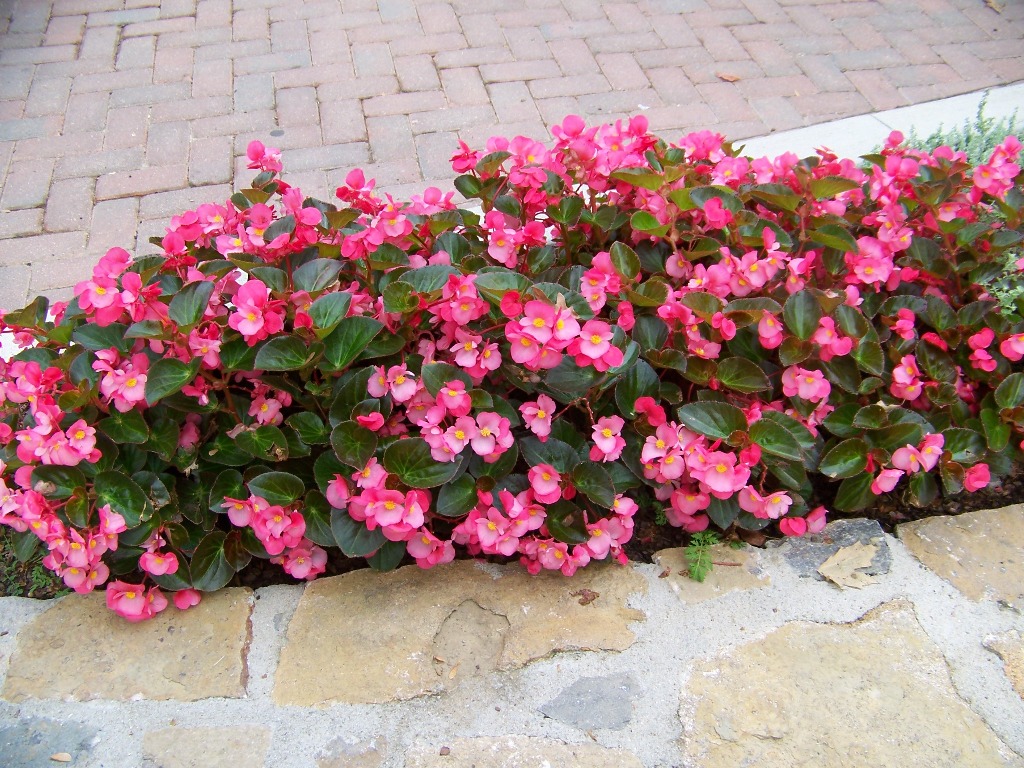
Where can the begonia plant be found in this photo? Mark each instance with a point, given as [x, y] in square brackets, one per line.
[621, 327]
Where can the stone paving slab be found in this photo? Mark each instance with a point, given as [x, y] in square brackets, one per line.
[116, 101]
[380, 637]
[979, 552]
[876, 692]
[68, 652]
[784, 670]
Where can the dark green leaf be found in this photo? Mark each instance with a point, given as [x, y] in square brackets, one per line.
[855, 493]
[316, 511]
[430, 278]
[145, 329]
[457, 498]
[282, 353]
[210, 567]
[400, 297]
[265, 442]
[353, 537]
[124, 497]
[167, 376]
[638, 381]
[309, 427]
[1010, 392]
[776, 440]
[316, 275]
[95, 338]
[997, 433]
[565, 522]
[625, 260]
[846, 459]
[715, 420]
[127, 427]
[830, 186]
[349, 338]
[965, 445]
[723, 512]
[802, 314]
[559, 455]
[57, 482]
[436, 375]
[742, 375]
[591, 479]
[276, 487]
[228, 485]
[353, 444]
[388, 557]
[650, 332]
[411, 460]
[327, 311]
[189, 304]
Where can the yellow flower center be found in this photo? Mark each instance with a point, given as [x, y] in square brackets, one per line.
[606, 432]
[595, 339]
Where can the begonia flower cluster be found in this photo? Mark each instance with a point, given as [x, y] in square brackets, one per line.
[619, 328]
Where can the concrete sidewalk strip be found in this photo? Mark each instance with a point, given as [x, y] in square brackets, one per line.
[475, 664]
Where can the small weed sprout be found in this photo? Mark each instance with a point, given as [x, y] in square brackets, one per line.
[698, 554]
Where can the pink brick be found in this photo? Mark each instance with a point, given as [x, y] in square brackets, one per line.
[403, 103]
[464, 86]
[297, 106]
[172, 65]
[622, 71]
[69, 205]
[42, 248]
[416, 73]
[390, 138]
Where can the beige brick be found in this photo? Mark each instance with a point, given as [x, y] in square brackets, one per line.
[114, 224]
[210, 161]
[27, 184]
[142, 181]
[69, 205]
[41, 248]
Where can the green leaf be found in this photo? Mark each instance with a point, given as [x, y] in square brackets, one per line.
[277, 487]
[565, 522]
[652, 293]
[896, 436]
[210, 568]
[127, 427]
[228, 485]
[723, 512]
[353, 537]
[349, 338]
[275, 279]
[189, 304]
[869, 357]
[965, 445]
[642, 221]
[846, 459]
[936, 364]
[559, 455]
[498, 469]
[316, 275]
[855, 493]
[567, 381]
[497, 281]
[58, 482]
[282, 353]
[742, 375]
[411, 460]
[316, 511]
[437, 375]
[715, 420]
[593, 480]
[567, 211]
[830, 186]
[167, 376]
[674, 359]
[802, 313]
[457, 498]
[329, 310]
[650, 332]
[388, 557]
[283, 226]
[625, 260]
[922, 489]
[997, 433]
[776, 440]
[265, 442]
[430, 278]
[309, 427]
[353, 444]
[95, 338]
[1010, 392]
[123, 495]
[145, 329]
[400, 297]
[388, 256]
[638, 381]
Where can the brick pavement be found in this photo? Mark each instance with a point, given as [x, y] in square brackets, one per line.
[114, 114]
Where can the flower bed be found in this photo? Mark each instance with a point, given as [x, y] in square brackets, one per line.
[627, 327]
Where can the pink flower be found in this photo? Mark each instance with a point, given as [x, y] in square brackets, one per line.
[544, 481]
[816, 520]
[930, 450]
[807, 385]
[537, 415]
[132, 603]
[401, 383]
[886, 481]
[608, 440]
[977, 477]
[831, 342]
[186, 598]
[907, 458]
[793, 526]
[428, 550]
[256, 316]
[1012, 347]
[721, 475]
[594, 347]
[454, 397]
[158, 563]
[493, 436]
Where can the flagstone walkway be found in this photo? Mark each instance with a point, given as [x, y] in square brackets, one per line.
[117, 114]
[918, 661]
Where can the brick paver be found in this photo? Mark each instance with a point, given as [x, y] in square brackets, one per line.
[103, 101]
